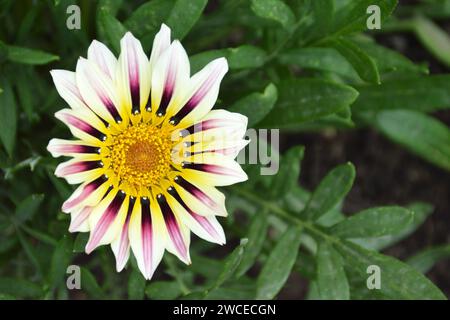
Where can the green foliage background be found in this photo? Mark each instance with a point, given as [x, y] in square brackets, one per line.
[298, 65]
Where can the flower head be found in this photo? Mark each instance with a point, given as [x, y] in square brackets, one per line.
[149, 151]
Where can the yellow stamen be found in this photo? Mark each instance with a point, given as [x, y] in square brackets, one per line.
[140, 156]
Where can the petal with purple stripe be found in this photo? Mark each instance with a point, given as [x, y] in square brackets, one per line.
[121, 245]
[82, 126]
[146, 236]
[79, 220]
[206, 227]
[169, 77]
[107, 219]
[202, 92]
[213, 169]
[60, 147]
[203, 199]
[87, 194]
[75, 171]
[133, 74]
[178, 234]
[99, 92]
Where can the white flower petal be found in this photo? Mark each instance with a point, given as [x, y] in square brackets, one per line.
[133, 75]
[103, 57]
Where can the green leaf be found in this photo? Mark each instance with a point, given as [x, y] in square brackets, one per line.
[275, 10]
[256, 105]
[146, 20]
[257, 233]
[184, 15]
[426, 259]
[421, 134]
[242, 57]
[8, 117]
[136, 286]
[436, 40]
[80, 242]
[421, 212]
[30, 251]
[230, 264]
[111, 29]
[323, 11]
[19, 288]
[302, 100]
[422, 94]
[331, 278]
[60, 261]
[90, 285]
[29, 56]
[28, 207]
[163, 290]
[374, 222]
[398, 280]
[278, 266]
[330, 191]
[353, 17]
[288, 174]
[325, 59]
[363, 64]
[237, 293]
[388, 60]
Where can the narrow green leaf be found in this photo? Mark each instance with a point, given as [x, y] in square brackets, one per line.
[80, 242]
[30, 251]
[323, 11]
[28, 207]
[146, 20]
[398, 280]
[257, 233]
[19, 288]
[288, 174]
[421, 134]
[60, 261]
[426, 259]
[302, 100]
[330, 191]
[374, 222]
[325, 59]
[184, 15]
[230, 264]
[163, 290]
[275, 10]
[232, 294]
[136, 286]
[436, 40]
[422, 94]
[256, 105]
[242, 57]
[111, 29]
[353, 16]
[25, 92]
[29, 56]
[246, 57]
[363, 64]
[421, 212]
[331, 278]
[8, 117]
[90, 285]
[278, 266]
[388, 60]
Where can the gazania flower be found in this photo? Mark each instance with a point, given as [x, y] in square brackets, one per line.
[149, 151]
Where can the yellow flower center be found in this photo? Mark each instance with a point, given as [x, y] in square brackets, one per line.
[140, 156]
